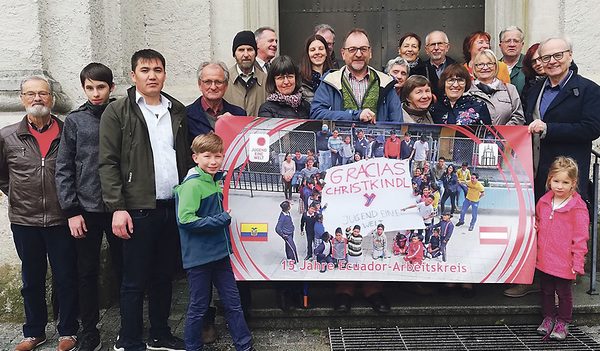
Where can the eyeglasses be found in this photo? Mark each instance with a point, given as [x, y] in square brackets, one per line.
[30, 95]
[459, 81]
[362, 49]
[436, 44]
[557, 56]
[283, 77]
[217, 83]
[511, 41]
[536, 60]
[485, 65]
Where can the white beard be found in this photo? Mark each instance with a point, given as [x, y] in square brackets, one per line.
[38, 110]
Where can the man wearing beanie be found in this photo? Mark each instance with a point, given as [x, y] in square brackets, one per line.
[246, 84]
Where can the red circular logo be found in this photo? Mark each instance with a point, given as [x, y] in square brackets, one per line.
[261, 141]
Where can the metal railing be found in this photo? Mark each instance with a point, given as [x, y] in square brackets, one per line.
[594, 202]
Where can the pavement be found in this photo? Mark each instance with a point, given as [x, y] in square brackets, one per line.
[306, 329]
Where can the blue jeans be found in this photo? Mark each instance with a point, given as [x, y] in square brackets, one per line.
[33, 244]
[200, 280]
[148, 261]
[465, 206]
[324, 160]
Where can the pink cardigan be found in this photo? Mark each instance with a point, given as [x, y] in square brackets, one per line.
[562, 240]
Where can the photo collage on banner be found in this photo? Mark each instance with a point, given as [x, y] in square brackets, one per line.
[403, 235]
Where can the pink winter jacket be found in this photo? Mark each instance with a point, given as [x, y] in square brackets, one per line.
[562, 240]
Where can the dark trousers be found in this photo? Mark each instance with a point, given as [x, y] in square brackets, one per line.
[88, 266]
[453, 199]
[200, 280]
[33, 245]
[148, 262]
[443, 250]
[310, 239]
[551, 284]
[287, 189]
[336, 159]
[290, 248]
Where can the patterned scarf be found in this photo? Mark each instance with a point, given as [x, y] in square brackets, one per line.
[293, 100]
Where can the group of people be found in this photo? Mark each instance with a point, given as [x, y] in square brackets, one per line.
[114, 166]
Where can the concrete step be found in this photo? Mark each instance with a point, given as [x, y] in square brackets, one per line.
[489, 306]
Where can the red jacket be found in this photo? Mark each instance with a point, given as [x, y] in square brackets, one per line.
[562, 240]
[392, 148]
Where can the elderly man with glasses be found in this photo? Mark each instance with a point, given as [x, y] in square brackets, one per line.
[357, 92]
[511, 45]
[28, 151]
[436, 46]
[202, 114]
[562, 114]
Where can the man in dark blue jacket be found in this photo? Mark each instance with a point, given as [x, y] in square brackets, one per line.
[562, 115]
[202, 114]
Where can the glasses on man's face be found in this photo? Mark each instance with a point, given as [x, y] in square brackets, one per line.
[217, 83]
[283, 77]
[440, 44]
[557, 56]
[363, 49]
[459, 81]
[485, 65]
[30, 95]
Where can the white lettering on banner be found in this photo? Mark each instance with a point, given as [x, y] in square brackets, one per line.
[370, 192]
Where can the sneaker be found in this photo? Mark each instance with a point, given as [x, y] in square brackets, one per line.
[118, 345]
[30, 343]
[460, 223]
[470, 228]
[546, 326]
[521, 290]
[560, 331]
[90, 342]
[67, 343]
[169, 343]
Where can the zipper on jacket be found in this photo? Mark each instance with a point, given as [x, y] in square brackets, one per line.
[44, 191]
[130, 176]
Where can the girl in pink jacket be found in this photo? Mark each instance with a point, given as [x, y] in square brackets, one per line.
[561, 221]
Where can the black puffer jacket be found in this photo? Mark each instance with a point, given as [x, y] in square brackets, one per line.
[275, 109]
[27, 178]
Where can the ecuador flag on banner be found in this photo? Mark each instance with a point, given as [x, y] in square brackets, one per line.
[254, 231]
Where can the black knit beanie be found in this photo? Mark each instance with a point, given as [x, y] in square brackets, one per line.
[244, 37]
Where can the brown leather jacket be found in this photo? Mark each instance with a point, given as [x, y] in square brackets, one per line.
[27, 178]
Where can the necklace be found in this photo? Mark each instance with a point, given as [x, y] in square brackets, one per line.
[559, 205]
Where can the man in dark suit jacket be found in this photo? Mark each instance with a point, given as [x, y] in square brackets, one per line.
[436, 46]
[562, 115]
[202, 114]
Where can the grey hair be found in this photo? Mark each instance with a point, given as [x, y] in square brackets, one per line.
[562, 37]
[436, 31]
[258, 33]
[324, 26]
[509, 28]
[37, 78]
[213, 63]
[397, 61]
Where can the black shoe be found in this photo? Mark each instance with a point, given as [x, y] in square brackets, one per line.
[119, 345]
[168, 343]
[90, 342]
[460, 223]
[379, 303]
[470, 228]
[342, 303]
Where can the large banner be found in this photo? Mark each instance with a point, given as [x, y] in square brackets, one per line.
[389, 210]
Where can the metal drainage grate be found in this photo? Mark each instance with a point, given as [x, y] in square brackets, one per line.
[497, 337]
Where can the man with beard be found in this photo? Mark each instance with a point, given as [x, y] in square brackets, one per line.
[436, 46]
[357, 92]
[246, 83]
[28, 151]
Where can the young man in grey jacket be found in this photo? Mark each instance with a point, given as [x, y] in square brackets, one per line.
[80, 196]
